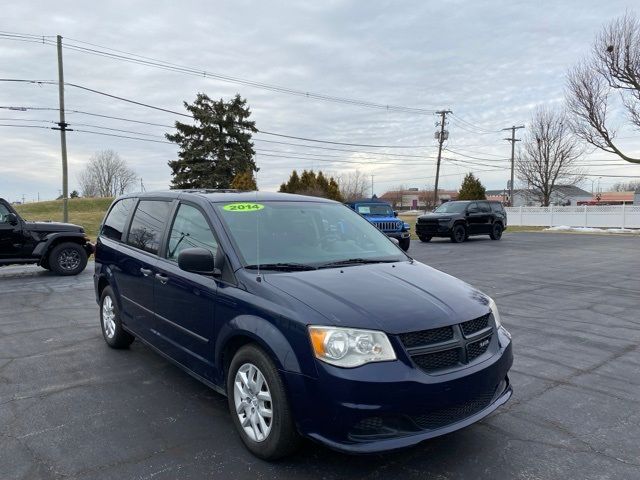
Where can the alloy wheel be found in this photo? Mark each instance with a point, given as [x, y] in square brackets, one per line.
[252, 400]
[69, 259]
[108, 317]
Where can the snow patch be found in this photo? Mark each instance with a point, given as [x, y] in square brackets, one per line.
[567, 228]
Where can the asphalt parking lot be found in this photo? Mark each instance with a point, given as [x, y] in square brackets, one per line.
[70, 407]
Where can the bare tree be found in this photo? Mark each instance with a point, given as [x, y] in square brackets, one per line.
[613, 67]
[631, 186]
[353, 185]
[106, 175]
[548, 155]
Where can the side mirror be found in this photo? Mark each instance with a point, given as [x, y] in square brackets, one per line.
[395, 213]
[11, 218]
[200, 260]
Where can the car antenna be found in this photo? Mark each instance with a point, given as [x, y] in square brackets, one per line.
[258, 277]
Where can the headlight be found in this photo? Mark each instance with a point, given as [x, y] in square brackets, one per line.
[496, 314]
[349, 347]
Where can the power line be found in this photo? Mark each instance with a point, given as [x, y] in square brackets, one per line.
[103, 51]
[166, 110]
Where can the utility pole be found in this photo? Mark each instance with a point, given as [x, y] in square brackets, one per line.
[513, 141]
[441, 135]
[63, 136]
[371, 186]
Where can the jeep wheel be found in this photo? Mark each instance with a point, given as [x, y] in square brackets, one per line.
[458, 234]
[496, 232]
[68, 259]
[425, 239]
[404, 244]
[112, 331]
[259, 406]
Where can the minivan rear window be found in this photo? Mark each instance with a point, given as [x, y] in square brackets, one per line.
[148, 224]
[117, 218]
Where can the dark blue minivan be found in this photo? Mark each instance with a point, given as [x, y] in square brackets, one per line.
[305, 315]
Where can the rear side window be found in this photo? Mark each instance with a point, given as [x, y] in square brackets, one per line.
[497, 207]
[148, 224]
[190, 230]
[484, 207]
[116, 220]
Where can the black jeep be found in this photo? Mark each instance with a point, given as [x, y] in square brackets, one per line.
[60, 247]
[459, 220]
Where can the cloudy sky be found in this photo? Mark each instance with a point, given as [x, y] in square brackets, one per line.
[490, 62]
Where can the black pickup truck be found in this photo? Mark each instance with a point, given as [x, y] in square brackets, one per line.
[62, 248]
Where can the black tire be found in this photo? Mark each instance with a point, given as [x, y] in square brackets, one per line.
[496, 231]
[67, 259]
[459, 233]
[283, 438]
[119, 338]
[405, 243]
[425, 239]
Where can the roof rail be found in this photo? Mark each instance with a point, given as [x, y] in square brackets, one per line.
[209, 190]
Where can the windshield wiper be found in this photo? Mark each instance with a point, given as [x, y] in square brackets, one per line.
[284, 267]
[355, 261]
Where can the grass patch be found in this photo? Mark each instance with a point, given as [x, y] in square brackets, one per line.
[86, 212]
[411, 220]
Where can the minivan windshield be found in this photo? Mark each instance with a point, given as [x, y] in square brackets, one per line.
[304, 235]
[451, 207]
[374, 209]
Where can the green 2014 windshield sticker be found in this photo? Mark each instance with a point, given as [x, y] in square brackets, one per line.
[243, 207]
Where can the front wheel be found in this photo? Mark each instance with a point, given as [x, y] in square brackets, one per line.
[458, 234]
[405, 243]
[67, 259]
[425, 238]
[259, 406]
[496, 232]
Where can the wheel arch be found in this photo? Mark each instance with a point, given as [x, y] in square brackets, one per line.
[43, 249]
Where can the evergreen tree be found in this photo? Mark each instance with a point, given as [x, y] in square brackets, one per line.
[471, 189]
[244, 181]
[216, 147]
[310, 183]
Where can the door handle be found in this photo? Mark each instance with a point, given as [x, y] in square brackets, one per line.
[163, 278]
[146, 272]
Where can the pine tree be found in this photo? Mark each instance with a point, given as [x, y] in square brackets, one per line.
[471, 189]
[216, 147]
[244, 181]
[315, 185]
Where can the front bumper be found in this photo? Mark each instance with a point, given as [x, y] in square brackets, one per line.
[433, 229]
[391, 405]
[398, 235]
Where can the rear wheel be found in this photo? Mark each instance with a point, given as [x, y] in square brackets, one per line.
[425, 239]
[112, 331]
[259, 406]
[496, 231]
[405, 243]
[67, 259]
[458, 234]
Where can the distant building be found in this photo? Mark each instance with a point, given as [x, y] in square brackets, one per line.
[612, 198]
[636, 197]
[416, 199]
[563, 195]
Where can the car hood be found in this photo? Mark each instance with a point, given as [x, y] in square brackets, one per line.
[436, 216]
[396, 298]
[53, 227]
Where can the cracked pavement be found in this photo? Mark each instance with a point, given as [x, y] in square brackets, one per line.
[71, 408]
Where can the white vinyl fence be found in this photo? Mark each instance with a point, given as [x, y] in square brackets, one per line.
[599, 216]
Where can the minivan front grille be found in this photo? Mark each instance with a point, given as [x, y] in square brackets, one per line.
[446, 416]
[475, 325]
[427, 337]
[438, 360]
[445, 348]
